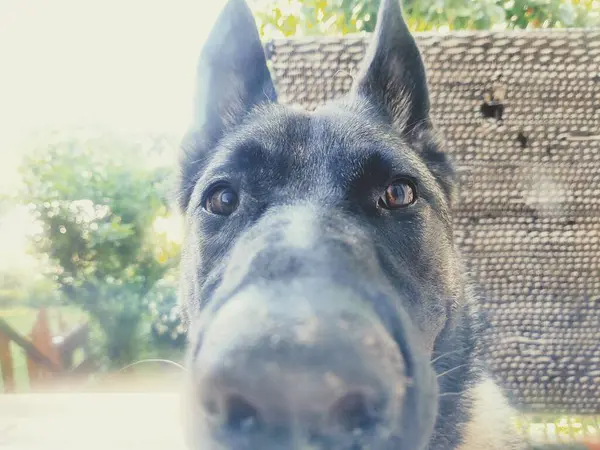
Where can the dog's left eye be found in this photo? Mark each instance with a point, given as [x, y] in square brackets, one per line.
[221, 200]
[399, 194]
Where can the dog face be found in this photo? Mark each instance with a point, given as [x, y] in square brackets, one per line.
[318, 267]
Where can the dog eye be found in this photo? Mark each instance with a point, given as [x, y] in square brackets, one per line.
[399, 194]
[221, 200]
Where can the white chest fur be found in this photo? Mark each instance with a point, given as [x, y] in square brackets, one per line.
[490, 426]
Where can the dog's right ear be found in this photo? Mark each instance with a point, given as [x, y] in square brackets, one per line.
[232, 78]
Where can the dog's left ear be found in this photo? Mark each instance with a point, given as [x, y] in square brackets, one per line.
[232, 79]
[392, 75]
[392, 79]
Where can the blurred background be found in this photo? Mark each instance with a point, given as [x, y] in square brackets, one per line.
[94, 97]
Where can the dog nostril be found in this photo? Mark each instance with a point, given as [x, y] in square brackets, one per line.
[240, 415]
[354, 412]
[211, 407]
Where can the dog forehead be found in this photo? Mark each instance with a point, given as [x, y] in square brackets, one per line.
[281, 129]
[331, 137]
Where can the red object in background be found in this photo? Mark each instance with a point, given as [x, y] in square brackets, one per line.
[593, 445]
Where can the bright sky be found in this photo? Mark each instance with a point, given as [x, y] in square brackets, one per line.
[128, 64]
[125, 64]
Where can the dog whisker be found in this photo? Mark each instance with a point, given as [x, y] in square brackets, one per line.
[344, 72]
[443, 355]
[449, 394]
[451, 370]
[153, 360]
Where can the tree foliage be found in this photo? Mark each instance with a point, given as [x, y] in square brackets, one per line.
[96, 197]
[277, 18]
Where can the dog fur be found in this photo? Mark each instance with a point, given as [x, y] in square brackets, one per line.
[305, 160]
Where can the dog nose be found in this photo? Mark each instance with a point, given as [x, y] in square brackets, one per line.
[272, 394]
[298, 364]
[281, 401]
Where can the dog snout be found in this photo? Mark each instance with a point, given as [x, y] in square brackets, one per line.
[310, 363]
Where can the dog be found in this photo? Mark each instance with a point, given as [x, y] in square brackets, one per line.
[326, 302]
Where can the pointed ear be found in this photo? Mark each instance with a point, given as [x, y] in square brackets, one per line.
[232, 78]
[392, 76]
[392, 80]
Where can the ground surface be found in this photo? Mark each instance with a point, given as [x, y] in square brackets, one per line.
[128, 421]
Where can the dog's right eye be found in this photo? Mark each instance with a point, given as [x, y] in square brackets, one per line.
[221, 200]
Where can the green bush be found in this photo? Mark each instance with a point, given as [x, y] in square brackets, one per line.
[166, 326]
[19, 288]
[277, 18]
[96, 197]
